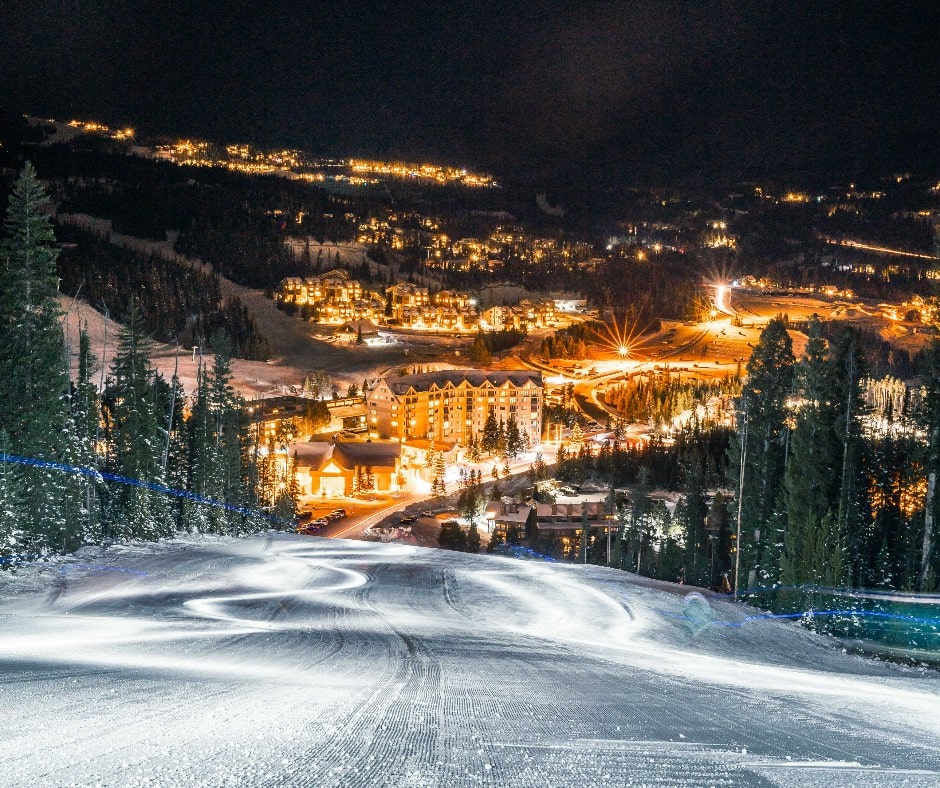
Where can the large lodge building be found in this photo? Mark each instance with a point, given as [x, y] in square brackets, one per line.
[451, 406]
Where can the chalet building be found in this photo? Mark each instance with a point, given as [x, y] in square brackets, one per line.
[566, 520]
[502, 517]
[413, 307]
[527, 315]
[334, 286]
[344, 469]
[452, 405]
[268, 416]
[334, 295]
[406, 294]
[352, 330]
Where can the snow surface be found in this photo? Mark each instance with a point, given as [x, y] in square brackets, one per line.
[284, 660]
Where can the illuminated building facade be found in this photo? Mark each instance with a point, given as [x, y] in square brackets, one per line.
[452, 405]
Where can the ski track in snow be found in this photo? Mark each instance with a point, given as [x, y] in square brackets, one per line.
[290, 660]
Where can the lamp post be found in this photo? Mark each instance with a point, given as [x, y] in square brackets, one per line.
[737, 539]
[584, 530]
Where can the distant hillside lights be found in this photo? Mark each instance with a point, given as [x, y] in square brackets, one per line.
[91, 127]
[426, 172]
[334, 298]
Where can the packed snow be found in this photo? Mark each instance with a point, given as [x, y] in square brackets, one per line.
[286, 660]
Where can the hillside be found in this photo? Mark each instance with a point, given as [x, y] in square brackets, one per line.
[297, 347]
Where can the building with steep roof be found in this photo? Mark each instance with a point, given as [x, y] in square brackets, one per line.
[334, 296]
[452, 405]
[346, 468]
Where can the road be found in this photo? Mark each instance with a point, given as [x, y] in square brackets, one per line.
[285, 660]
[349, 528]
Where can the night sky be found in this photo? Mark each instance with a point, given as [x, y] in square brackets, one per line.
[625, 92]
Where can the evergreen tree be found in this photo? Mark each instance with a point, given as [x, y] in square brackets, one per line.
[502, 443]
[33, 380]
[514, 445]
[854, 510]
[489, 443]
[231, 439]
[691, 511]
[203, 479]
[81, 494]
[762, 426]
[176, 449]
[473, 539]
[12, 541]
[930, 421]
[137, 439]
[480, 351]
[285, 503]
[812, 473]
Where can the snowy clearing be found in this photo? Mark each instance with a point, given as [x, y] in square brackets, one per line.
[285, 660]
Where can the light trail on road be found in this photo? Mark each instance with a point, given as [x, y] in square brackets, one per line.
[878, 249]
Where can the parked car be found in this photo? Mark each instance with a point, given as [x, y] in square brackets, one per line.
[308, 529]
[338, 513]
[408, 519]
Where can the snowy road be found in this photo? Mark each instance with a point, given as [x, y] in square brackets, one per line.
[302, 661]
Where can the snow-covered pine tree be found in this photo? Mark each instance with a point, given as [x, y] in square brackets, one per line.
[854, 509]
[11, 511]
[514, 443]
[762, 426]
[137, 438]
[204, 479]
[812, 472]
[232, 441]
[176, 448]
[33, 380]
[81, 494]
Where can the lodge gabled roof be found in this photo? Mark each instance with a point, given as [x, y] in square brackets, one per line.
[477, 378]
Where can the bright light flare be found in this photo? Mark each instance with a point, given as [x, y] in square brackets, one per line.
[622, 338]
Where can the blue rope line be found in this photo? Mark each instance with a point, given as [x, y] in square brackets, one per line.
[97, 475]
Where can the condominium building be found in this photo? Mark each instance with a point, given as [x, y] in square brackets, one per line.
[448, 310]
[334, 296]
[452, 405]
[332, 287]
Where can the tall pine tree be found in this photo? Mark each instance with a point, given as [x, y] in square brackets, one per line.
[812, 552]
[854, 511]
[33, 380]
[930, 421]
[762, 425]
[137, 439]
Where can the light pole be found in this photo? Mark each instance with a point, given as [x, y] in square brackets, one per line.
[737, 540]
[584, 529]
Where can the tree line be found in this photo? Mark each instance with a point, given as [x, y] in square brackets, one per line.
[183, 304]
[830, 494]
[132, 459]
[834, 475]
[661, 397]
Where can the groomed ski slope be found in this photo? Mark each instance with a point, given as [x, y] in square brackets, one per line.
[283, 660]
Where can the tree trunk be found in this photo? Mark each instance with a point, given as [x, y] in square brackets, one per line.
[929, 504]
